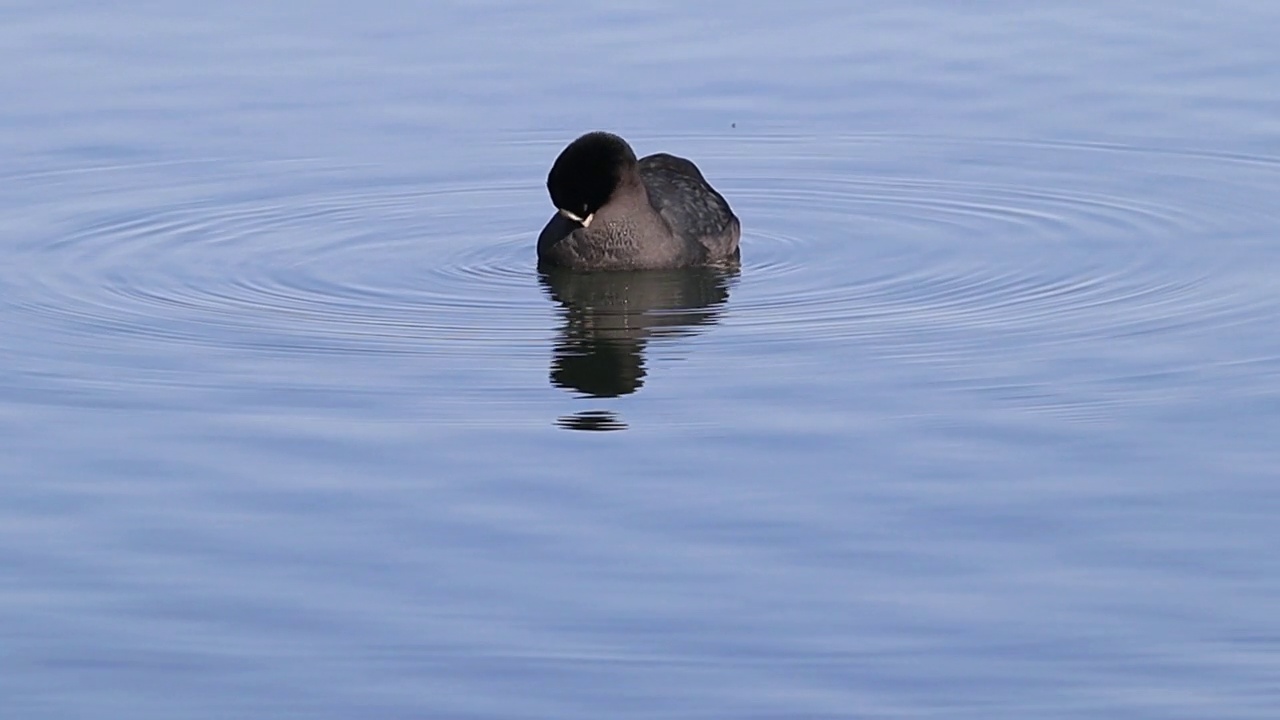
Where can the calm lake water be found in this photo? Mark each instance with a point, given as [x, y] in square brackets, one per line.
[987, 425]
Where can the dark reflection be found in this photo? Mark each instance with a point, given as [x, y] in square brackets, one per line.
[597, 420]
[609, 317]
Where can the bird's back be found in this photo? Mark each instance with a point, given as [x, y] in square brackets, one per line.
[696, 213]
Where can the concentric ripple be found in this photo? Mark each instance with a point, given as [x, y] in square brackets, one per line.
[1054, 277]
[320, 272]
[966, 255]
[1088, 255]
[219, 274]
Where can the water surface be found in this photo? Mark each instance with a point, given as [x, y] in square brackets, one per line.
[984, 426]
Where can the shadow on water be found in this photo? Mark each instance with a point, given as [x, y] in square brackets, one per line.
[608, 319]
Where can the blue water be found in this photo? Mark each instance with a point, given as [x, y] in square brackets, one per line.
[985, 426]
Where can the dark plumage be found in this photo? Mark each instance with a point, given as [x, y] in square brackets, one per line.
[619, 213]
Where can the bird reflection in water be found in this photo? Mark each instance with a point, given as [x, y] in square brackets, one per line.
[608, 318]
